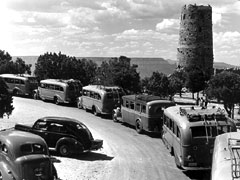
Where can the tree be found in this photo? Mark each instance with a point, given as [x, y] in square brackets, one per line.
[9, 66]
[177, 81]
[158, 84]
[60, 66]
[6, 100]
[119, 72]
[225, 87]
[195, 79]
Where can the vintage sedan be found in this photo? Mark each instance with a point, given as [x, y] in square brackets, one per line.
[65, 135]
[24, 156]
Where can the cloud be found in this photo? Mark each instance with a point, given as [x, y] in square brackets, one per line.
[167, 23]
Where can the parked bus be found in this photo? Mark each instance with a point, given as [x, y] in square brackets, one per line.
[100, 99]
[189, 133]
[20, 84]
[59, 91]
[226, 157]
[144, 112]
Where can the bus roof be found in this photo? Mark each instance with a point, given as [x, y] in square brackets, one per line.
[221, 167]
[144, 98]
[16, 76]
[101, 88]
[61, 82]
[194, 114]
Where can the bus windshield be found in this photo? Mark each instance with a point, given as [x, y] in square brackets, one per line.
[210, 131]
[155, 109]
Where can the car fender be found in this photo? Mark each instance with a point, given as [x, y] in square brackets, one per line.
[70, 141]
[7, 172]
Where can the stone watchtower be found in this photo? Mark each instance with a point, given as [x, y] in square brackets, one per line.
[195, 38]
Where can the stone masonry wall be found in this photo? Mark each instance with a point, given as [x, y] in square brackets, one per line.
[195, 37]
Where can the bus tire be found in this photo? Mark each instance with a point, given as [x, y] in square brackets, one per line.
[139, 127]
[35, 96]
[94, 111]
[56, 101]
[15, 92]
[114, 117]
[79, 105]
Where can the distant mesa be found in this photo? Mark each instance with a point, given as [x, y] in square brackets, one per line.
[146, 66]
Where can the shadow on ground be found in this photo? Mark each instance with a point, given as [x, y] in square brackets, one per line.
[87, 156]
[198, 175]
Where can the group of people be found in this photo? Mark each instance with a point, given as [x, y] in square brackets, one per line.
[202, 102]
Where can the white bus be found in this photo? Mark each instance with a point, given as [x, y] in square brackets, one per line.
[59, 91]
[226, 157]
[100, 99]
[20, 84]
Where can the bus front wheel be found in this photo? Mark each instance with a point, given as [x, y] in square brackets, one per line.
[139, 127]
[56, 101]
[94, 111]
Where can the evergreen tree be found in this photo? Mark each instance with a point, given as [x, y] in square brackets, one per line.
[6, 100]
[225, 87]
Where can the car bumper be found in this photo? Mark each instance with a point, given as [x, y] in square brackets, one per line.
[97, 144]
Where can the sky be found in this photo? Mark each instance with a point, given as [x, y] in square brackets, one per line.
[111, 28]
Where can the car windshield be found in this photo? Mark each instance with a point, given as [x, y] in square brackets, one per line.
[33, 149]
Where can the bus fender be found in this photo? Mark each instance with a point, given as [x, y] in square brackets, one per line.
[35, 94]
[16, 91]
[58, 97]
[96, 109]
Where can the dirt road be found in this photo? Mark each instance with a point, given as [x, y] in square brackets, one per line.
[126, 155]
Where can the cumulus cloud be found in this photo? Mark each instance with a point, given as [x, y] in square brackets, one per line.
[167, 23]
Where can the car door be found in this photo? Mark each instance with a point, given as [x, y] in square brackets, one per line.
[40, 128]
[54, 133]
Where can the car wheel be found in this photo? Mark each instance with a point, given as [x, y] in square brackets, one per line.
[1, 177]
[139, 127]
[64, 150]
[56, 101]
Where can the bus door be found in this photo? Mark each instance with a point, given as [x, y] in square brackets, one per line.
[87, 100]
[125, 110]
[132, 114]
[202, 145]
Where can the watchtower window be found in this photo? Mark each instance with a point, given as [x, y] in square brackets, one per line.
[184, 16]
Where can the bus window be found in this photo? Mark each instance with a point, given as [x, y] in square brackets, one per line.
[22, 82]
[143, 110]
[42, 85]
[132, 105]
[171, 124]
[11, 80]
[127, 104]
[155, 109]
[110, 95]
[138, 107]
[178, 133]
[200, 131]
[17, 81]
[51, 87]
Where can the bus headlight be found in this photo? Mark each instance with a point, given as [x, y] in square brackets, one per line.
[190, 158]
[195, 148]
